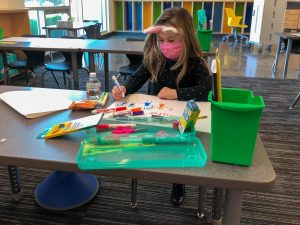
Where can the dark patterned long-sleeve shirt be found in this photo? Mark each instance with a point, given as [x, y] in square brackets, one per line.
[196, 84]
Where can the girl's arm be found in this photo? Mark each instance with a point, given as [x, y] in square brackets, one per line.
[134, 82]
[201, 78]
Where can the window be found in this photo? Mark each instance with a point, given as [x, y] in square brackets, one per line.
[46, 3]
[47, 12]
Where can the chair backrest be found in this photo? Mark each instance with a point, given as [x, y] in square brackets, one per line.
[87, 21]
[34, 57]
[68, 57]
[93, 31]
[229, 12]
[135, 60]
[295, 46]
[232, 19]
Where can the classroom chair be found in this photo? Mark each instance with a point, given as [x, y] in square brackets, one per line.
[94, 32]
[233, 22]
[65, 67]
[33, 60]
[134, 62]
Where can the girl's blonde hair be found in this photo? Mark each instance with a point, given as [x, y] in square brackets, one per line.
[182, 21]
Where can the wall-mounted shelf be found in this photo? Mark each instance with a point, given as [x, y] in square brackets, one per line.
[138, 15]
[14, 22]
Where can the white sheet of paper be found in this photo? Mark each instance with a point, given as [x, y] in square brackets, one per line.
[168, 108]
[37, 102]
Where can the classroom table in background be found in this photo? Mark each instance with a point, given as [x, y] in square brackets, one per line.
[290, 38]
[60, 154]
[118, 46]
[73, 46]
[76, 26]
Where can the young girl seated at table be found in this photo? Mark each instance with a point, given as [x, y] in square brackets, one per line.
[173, 61]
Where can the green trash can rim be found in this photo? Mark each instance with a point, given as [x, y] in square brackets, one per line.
[238, 106]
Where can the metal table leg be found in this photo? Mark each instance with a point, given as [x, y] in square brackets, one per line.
[275, 64]
[15, 182]
[295, 101]
[134, 193]
[6, 76]
[233, 206]
[217, 206]
[106, 72]
[92, 66]
[201, 199]
[287, 56]
[75, 70]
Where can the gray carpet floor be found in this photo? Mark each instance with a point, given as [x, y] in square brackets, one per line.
[279, 130]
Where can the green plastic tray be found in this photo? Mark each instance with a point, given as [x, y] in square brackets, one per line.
[154, 148]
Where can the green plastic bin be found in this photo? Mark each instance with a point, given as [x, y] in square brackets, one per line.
[1, 33]
[204, 38]
[234, 126]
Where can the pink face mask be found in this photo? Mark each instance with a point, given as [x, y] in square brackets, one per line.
[171, 50]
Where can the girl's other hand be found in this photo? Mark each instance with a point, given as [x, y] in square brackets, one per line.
[167, 93]
[117, 94]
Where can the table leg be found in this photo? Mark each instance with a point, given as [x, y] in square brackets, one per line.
[295, 101]
[217, 206]
[4, 59]
[106, 72]
[233, 207]
[134, 193]
[277, 56]
[75, 70]
[92, 66]
[287, 56]
[15, 182]
[201, 199]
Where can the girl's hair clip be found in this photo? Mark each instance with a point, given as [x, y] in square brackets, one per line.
[158, 29]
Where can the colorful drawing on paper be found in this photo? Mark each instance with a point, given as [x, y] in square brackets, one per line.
[131, 105]
[120, 103]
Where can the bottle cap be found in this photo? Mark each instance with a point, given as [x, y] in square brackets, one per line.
[93, 74]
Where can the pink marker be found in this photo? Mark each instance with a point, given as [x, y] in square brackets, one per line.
[109, 126]
[117, 109]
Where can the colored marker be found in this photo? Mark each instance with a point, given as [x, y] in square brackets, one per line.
[110, 126]
[117, 109]
[118, 85]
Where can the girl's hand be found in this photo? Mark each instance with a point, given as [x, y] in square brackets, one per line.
[117, 94]
[167, 93]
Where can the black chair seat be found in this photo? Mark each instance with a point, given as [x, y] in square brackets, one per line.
[60, 66]
[128, 70]
[20, 64]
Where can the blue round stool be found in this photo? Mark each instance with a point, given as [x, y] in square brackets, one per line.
[66, 190]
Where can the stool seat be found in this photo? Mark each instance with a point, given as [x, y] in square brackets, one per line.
[64, 190]
[21, 64]
[127, 69]
[60, 66]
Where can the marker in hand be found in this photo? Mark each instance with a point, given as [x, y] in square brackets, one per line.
[118, 85]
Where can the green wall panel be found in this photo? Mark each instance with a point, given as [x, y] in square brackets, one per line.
[239, 11]
[156, 10]
[197, 6]
[119, 15]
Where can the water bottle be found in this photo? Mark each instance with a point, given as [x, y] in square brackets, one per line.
[93, 88]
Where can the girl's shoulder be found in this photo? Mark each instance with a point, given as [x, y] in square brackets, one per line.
[196, 60]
